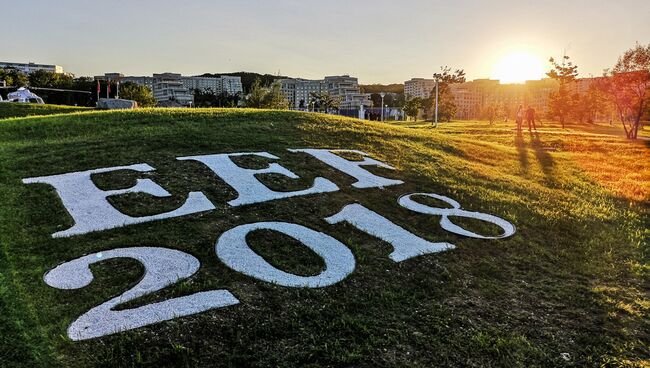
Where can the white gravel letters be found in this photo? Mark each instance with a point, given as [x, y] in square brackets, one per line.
[250, 189]
[91, 211]
[365, 179]
[445, 222]
[405, 244]
[163, 267]
[233, 250]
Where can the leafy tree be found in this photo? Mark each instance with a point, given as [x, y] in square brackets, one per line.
[561, 102]
[587, 106]
[141, 94]
[413, 106]
[274, 98]
[391, 99]
[322, 101]
[13, 77]
[490, 113]
[266, 98]
[627, 86]
[255, 98]
[446, 105]
[48, 79]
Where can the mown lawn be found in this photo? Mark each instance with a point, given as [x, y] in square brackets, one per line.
[18, 110]
[570, 288]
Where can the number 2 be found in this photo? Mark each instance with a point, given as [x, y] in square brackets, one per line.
[163, 267]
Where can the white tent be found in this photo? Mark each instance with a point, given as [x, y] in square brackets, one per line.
[24, 95]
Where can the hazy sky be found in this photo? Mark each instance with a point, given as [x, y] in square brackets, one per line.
[378, 41]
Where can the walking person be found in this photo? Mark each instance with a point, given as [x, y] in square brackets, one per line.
[519, 117]
[530, 118]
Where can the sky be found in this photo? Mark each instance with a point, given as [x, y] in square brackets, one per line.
[377, 41]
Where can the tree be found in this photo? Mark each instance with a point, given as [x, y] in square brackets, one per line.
[560, 103]
[627, 87]
[266, 98]
[141, 94]
[588, 106]
[255, 98]
[322, 101]
[446, 104]
[413, 106]
[13, 77]
[490, 113]
[274, 98]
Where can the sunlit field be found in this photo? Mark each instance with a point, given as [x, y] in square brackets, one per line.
[570, 288]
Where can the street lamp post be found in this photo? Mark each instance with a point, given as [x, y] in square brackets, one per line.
[436, 118]
[382, 94]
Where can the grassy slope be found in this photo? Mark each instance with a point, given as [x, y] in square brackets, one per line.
[16, 110]
[574, 279]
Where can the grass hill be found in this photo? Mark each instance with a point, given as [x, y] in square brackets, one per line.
[570, 288]
[15, 110]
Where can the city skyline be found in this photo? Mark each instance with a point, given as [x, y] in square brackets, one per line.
[382, 43]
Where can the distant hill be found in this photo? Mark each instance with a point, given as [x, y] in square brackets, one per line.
[247, 78]
[377, 88]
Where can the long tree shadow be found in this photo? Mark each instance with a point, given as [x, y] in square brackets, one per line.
[543, 156]
[522, 151]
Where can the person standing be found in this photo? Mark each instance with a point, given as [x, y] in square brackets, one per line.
[519, 117]
[530, 118]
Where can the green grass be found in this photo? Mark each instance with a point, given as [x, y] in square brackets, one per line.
[17, 110]
[573, 279]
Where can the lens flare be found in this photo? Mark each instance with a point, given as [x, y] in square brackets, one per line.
[518, 67]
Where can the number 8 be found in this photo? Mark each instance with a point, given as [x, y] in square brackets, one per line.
[445, 222]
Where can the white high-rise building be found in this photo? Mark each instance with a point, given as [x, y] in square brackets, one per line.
[202, 83]
[231, 84]
[419, 87]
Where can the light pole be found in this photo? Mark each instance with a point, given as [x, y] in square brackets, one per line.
[436, 117]
[382, 94]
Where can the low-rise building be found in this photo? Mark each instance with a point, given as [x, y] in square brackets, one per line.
[32, 67]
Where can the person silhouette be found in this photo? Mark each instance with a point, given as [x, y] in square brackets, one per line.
[530, 118]
[519, 117]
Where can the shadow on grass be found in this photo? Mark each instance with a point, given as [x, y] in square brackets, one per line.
[522, 151]
[543, 156]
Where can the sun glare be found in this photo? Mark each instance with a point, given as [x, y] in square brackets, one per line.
[518, 67]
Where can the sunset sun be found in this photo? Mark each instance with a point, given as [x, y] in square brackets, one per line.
[518, 67]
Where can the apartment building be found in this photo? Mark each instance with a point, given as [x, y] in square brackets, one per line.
[298, 91]
[173, 86]
[419, 87]
[231, 84]
[32, 67]
[202, 84]
[170, 87]
[347, 89]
